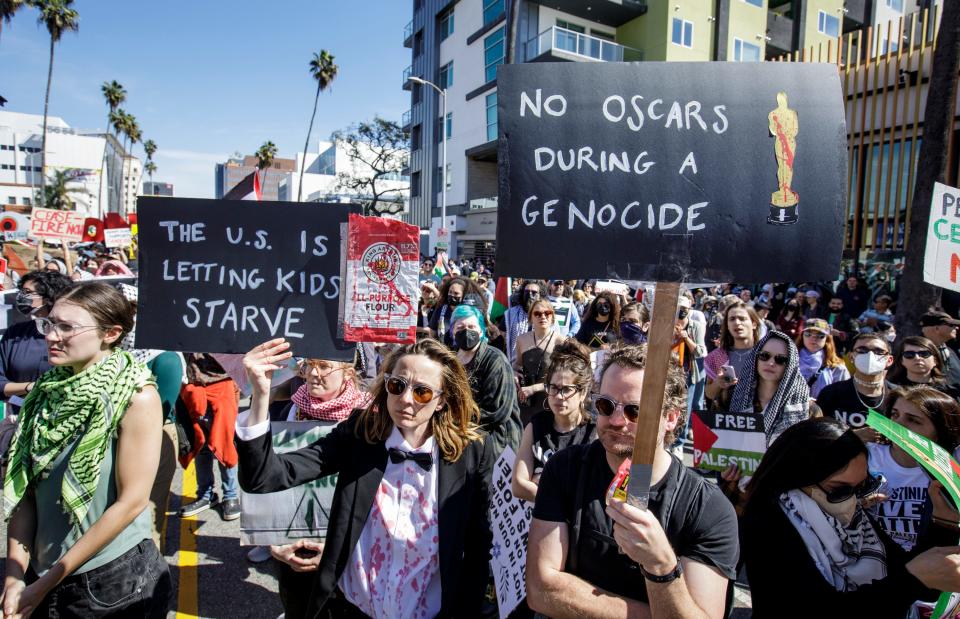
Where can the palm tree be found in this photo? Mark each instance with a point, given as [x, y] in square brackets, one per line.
[150, 168]
[149, 147]
[324, 71]
[58, 17]
[265, 156]
[115, 94]
[56, 194]
[7, 10]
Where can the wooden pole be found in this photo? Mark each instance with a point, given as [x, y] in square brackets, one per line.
[659, 345]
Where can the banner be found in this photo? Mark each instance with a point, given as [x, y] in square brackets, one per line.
[224, 276]
[510, 521]
[722, 438]
[941, 259]
[15, 226]
[50, 224]
[671, 172]
[382, 281]
[286, 516]
[117, 237]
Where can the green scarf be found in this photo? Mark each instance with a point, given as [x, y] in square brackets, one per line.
[62, 408]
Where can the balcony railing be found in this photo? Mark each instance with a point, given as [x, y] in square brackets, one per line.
[407, 32]
[405, 119]
[406, 77]
[483, 203]
[563, 42]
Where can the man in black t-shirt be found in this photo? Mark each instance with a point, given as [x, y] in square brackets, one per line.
[850, 400]
[587, 558]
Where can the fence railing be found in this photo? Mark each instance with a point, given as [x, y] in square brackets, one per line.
[578, 44]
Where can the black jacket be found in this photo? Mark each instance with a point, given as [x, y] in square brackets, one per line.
[463, 491]
[493, 387]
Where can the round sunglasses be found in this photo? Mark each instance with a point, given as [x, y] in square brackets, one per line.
[767, 356]
[543, 314]
[606, 406]
[912, 354]
[422, 394]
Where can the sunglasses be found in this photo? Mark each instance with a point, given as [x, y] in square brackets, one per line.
[564, 391]
[815, 335]
[862, 350]
[543, 314]
[607, 406]
[422, 394]
[778, 359]
[912, 354]
[601, 306]
[864, 489]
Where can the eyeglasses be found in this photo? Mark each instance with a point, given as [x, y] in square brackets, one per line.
[305, 368]
[64, 329]
[862, 350]
[864, 489]
[422, 394]
[912, 354]
[543, 314]
[767, 356]
[815, 335]
[607, 406]
[563, 391]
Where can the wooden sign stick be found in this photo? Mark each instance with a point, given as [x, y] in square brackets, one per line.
[659, 345]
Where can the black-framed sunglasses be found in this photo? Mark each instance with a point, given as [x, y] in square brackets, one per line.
[422, 394]
[862, 350]
[864, 489]
[606, 406]
[767, 356]
[913, 354]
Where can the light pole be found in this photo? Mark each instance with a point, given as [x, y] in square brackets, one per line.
[443, 175]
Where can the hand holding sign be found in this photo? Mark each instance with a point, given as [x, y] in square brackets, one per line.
[641, 537]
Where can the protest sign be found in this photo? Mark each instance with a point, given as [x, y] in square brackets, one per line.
[117, 237]
[941, 259]
[50, 224]
[15, 226]
[940, 464]
[510, 521]
[671, 172]
[223, 276]
[301, 512]
[381, 284]
[722, 438]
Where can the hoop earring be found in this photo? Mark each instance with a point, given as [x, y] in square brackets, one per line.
[545, 405]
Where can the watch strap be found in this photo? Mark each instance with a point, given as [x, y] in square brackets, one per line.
[668, 577]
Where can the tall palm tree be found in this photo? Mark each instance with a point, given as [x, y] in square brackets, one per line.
[149, 148]
[265, 156]
[115, 94]
[56, 194]
[150, 168]
[7, 10]
[324, 71]
[58, 17]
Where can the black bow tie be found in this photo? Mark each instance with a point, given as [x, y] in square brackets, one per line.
[424, 460]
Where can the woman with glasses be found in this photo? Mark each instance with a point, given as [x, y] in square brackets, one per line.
[566, 422]
[918, 362]
[391, 551]
[819, 364]
[533, 358]
[80, 472]
[601, 321]
[810, 547]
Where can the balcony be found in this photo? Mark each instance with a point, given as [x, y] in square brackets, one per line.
[856, 13]
[612, 13]
[780, 35]
[557, 43]
[408, 34]
[405, 120]
[479, 203]
[406, 77]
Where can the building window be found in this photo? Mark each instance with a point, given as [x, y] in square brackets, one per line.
[418, 44]
[884, 44]
[682, 32]
[11, 200]
[416, 93]
[493, 53]
[25, 201]
[438, 184]
[415, 185]
[828, 24]
[449, 124]
[745, 52]
[758, 3]
[446, 75]
[446, 25]
[896, 5]
[492, 9]
[492, 117]
[415, 138]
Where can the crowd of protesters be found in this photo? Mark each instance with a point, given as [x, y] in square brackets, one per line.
[834, 522]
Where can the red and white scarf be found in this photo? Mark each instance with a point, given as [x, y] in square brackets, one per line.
[310, 408]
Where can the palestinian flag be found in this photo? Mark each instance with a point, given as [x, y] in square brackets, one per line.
[247, 189]
[501, 298]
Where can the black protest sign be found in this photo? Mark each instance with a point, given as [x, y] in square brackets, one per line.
[701, 171]
[224, 275]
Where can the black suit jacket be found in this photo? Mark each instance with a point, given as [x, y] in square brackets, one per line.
[463, 490]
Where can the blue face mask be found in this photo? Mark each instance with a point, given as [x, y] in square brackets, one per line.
[632, 333]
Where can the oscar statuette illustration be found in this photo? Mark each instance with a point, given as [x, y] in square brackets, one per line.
[784, 126]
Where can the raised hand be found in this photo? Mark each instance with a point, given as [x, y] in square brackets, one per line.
[261, 362]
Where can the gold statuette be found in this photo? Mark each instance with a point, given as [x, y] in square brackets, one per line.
[784, 126]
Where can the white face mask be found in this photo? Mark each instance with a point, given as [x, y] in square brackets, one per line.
[870, 363]
[842, 511]
[891, 337]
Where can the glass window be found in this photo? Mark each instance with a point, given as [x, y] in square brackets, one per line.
[896, 5]
[493, 53]
[682, 32]
[446, 25]
[745, 52]
[491, 10]
[758, 3]
[446, 75]
[570, 26]
[492, 117]
[449, 124]
[828, 24]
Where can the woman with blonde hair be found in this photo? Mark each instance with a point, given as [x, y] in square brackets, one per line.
[819, 364]
[390, 549]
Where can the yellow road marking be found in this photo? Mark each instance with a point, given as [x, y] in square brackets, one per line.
[188, 595]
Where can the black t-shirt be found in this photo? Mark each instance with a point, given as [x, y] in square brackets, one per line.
[843, 402]
[700, 522]
[547, 440]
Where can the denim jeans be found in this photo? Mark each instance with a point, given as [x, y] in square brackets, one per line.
[228, 476]
[135, 584]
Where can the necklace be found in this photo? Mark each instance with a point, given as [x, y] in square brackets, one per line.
[866, 383]
[548, 338]
[883, 396]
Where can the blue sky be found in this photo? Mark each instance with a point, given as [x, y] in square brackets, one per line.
[207, 79]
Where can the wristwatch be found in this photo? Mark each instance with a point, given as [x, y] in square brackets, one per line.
[668, 577]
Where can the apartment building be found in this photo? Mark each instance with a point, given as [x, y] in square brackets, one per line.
[235, 169]
[156, 188]
[457, 45]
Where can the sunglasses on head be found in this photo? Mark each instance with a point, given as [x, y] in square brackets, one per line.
[864, 489]
[816, 335]
[912, 354]
[543, 314]
[422, 394]
[606, 406]
[767, 356]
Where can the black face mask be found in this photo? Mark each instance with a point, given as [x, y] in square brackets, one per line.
[454, 301]
[466, 340]
[682, 313]
[25, 306]
[603, 310]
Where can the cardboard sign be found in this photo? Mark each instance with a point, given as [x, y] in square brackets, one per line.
[50, 224]
[510, 521]
[286, 516]
[382, 281]
[671, 172]
[15, 226]
[942, 256]
[223, 276]
[722, 438]
[117, 237]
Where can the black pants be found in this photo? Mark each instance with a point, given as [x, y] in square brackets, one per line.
[135, 584]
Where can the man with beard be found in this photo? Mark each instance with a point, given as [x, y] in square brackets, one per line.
[589, 556]
[841, 324]
[515, 320]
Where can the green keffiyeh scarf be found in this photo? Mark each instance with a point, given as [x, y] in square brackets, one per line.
[64, 407]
